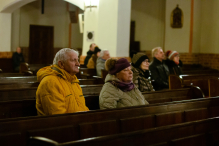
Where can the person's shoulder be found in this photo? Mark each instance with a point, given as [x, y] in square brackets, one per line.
[169, 63]
[51, 80]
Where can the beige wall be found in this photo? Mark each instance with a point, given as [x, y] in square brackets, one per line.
[209, 26]
[196, 40]
[149, 17]
[55, 14]
[178, 38]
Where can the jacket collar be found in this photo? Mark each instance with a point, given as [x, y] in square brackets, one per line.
[64, 74]
[157, 61]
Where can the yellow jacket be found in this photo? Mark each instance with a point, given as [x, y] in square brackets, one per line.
[58, 92]
[90, 63]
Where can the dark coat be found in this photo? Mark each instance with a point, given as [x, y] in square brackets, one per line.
[142, 80]
[89, 54]
[159, 73]
[173, 67]
[17, 59]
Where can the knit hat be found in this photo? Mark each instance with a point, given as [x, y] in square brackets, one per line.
[138, 59]
[119, 65]
[171, 54]
[96, 49]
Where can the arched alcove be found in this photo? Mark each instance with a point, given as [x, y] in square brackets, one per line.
[19, 3]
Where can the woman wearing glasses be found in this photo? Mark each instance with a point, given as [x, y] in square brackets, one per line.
[141, 73]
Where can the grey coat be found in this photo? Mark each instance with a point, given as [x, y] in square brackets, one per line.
[100, 65]
[113, 97]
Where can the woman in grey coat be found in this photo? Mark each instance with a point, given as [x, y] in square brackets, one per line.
[119, 90]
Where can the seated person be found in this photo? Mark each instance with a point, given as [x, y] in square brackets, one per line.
[173, 62]
[104, 55]
[89, 53]
[17, 59]
[92, 61]
[119, 90]
[59, 91]
[159, 70]
[141, 73]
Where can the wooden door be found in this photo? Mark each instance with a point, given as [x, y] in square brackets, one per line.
[41, 44]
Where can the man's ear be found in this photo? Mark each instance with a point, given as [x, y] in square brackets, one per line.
[61, 64]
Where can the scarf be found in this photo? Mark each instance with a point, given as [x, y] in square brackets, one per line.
[125, 87]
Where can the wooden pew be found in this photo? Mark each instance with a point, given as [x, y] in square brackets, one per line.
[213, 86]
[31, 81]
[18, 79]
[197, 133]
[204, 71]
[29, 73]
[200, 80]
[20, 106]
[71, 126]
[30, 93]
[151, 97]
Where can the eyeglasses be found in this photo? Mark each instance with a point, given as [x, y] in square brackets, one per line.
[145, 61]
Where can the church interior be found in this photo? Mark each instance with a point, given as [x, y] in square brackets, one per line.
[185, 114]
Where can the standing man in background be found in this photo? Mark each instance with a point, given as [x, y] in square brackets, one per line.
[89, 53]
[17, 59]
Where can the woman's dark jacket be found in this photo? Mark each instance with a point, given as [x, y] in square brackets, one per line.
[159, 73]
[173, 67]
[89, 54]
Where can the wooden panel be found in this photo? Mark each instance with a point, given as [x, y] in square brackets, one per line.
[159, 100]
[196, 114]
[41, 44]
[156, 136]
[197, 140]
[92, 102]
[11, 139]
[137, 123]
[214, 111]
[213, 87]
[6, 65]
[95, 129]
[174, 82]
[169, 118]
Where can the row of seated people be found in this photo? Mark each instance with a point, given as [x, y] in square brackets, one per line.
[59, 91]
[159, 69]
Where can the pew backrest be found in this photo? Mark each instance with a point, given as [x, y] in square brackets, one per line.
[106, 118]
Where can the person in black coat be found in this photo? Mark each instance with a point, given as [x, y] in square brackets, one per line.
[89, 53]
[159, 70]
[17, 59]
[173, 62]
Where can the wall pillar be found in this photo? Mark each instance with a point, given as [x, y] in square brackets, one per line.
[112, 26]
[5, 32]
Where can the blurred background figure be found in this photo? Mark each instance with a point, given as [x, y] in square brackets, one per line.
[89, 53]
[104, 55]
[17, 59]
[173, 62]
[92, 61]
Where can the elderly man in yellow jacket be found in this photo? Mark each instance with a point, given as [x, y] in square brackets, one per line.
[59, 91]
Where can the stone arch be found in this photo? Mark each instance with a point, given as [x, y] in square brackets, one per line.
[19, 3]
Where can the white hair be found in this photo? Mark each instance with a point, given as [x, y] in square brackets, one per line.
[102, 53]
[61, 55]
[155, 50]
